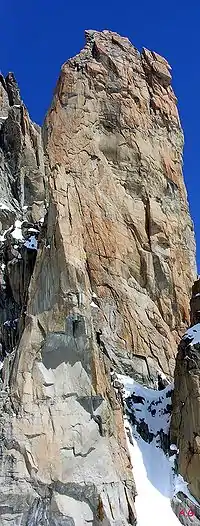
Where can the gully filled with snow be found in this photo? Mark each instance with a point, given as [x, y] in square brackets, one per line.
[154, 471]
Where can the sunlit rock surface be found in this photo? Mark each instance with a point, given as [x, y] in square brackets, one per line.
[97, 260]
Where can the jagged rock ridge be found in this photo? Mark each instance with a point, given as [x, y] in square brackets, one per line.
[107, 279]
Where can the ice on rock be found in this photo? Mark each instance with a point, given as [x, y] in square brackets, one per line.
[31, 243]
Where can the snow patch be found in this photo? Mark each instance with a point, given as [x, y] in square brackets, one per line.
[2, 237]
[18, 223]
[17, 232]
[33, 230]
[153, 408]
[94, 295]
[3, 206]
[7, 323]
[193, 334]
[163, 376]
[92, 304]
[173, 447]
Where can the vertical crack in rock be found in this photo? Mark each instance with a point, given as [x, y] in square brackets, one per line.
[148, 220]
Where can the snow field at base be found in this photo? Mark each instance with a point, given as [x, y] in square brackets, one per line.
[156, 481]
[153, 478]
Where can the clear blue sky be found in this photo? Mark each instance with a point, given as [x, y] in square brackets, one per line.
[37, 36]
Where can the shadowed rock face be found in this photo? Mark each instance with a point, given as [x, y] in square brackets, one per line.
[109, 282]
[22, 199]
[21, 157]
[185, 423]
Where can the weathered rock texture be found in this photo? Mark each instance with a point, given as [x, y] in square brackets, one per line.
[114, 145]
[185, 424]
[110, 283]
[185, 509]
[21, 157]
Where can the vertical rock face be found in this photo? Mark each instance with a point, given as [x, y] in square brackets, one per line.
[114, 145]
[21, 156]
[185, 424]
[64, 459]
[103, 279]
[22, 199]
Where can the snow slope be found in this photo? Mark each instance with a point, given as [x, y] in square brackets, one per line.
[153, 406]
[156, 482]
[193, 333]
